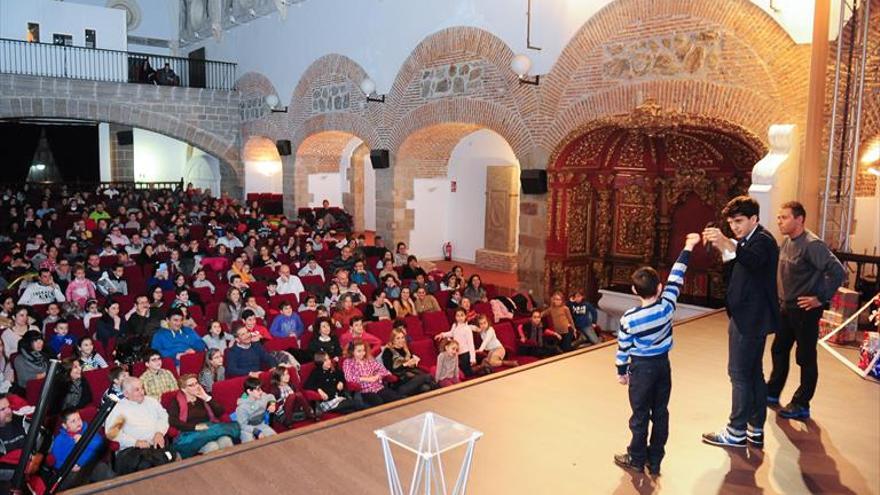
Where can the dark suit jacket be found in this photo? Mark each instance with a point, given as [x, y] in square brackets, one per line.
[752, 300]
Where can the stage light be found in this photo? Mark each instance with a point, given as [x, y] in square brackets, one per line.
[40, 167]
[872, 154]
[521, 65]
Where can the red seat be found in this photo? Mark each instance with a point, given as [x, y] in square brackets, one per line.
[99, 382]
[168, 363]
[426, 352]
[280, 344]
[414, 327]
[443, 297]
[204, 294]
[312, 280]
[227, 392]
[308, 317]
[434, 322]
[381, 329]
[192, 363]
[277, 299]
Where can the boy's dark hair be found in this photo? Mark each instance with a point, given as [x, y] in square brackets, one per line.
[797, 209]
[150, 353]
[645, 281]
[66, 413]
[175, 312]
[284, 304]
[320, 357]
[251, 383]
[399, 323]
[355, 319]
[247, 314]
[741, 205]
[114, 372]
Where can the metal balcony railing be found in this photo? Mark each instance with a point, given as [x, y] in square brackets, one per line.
[96, 64]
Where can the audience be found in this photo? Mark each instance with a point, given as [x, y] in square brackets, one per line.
[176, 340]
[247, 357]
[196, 416]
[138, 424]
[156, 380]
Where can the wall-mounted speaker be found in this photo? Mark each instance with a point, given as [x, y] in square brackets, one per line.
[125, 138]
[380, 159]
[283, 146]
[533, 181]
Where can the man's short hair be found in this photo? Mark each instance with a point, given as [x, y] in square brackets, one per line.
[356, 319]
[645, 281]
[797, 209]
[247, 314]
[66, 413]
[150, 353]
[741, 205]
[175, 312]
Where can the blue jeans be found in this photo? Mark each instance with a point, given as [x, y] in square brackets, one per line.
[590, 334]
[746, 370]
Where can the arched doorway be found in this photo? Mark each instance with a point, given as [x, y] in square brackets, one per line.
[624, 191]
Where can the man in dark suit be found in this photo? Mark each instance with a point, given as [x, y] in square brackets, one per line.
[753, 309]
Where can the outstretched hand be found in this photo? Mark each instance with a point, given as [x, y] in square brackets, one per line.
[691, 240]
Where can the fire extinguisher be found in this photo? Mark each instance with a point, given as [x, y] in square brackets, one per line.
[447, 251]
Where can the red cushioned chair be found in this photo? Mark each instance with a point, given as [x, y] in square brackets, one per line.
[192, 363]
[434, 322]
[426, 351]
[227, 392]
[381, 329]
[506, 334]
[99, 382]
[414, 327]
[280, 344]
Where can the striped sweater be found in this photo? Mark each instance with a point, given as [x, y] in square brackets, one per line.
[647, 330]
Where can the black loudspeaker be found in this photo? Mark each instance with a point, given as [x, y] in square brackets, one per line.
[283, 146]
[125, 138]
[379, 159]
[533, 181]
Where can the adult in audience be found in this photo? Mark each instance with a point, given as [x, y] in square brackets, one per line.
[401, 256]
[403, 364]
[143, 321]
[379, 308]
[288, 283]
[344, 260]
[312, 269]
[361, 276]
[230, 240]
[325, 340]
[111, 324]
[138, 423]
[112, 282]
[475, 290]
[157, 380]
[247, 357]
[93, 268]
[425, 302]
[405, 306]
[196, 415]
[32, 361]
[20, 326]
[176, 340]
[13, 431]
[230, 309]
[412, 268]
[43, 291]
[71, 392]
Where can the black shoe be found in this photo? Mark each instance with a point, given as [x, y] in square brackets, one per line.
[755, 437]
[626, 462]
[724, 439]
[795, 411]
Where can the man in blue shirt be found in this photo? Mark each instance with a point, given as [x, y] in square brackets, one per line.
[176, 340]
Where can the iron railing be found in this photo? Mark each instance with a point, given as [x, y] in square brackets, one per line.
[97, 64]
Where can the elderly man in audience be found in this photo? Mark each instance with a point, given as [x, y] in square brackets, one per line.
[288, 283]
[138, 424]
[345, 260]
[43, 291]
[177, 340]
[246, 357]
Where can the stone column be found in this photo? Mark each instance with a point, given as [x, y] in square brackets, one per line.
[812, 167]
[121, 156]
[533, 230]
[288, 185]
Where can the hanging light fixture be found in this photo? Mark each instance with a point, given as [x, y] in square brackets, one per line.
[521, 65]
[369, 89]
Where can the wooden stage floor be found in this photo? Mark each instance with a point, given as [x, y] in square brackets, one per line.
[553, 429]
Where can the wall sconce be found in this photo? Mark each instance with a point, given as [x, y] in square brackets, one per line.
[874, 171]
[521, 64]
[369, 89]
[273, 102]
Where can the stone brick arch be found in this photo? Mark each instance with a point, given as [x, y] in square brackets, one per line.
[134, 115]
[257, 119]
[320, 152]
[330, 68]
[764, 77]
[461, 43]
[464, 111]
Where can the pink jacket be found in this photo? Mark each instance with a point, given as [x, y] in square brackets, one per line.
[80, 291]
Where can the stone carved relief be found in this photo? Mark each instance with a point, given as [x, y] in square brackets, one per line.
[252, 107]
[687, 54]
[331, 98]
[501, 205]
[452, 80]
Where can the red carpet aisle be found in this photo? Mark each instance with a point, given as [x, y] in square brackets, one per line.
[554, 428]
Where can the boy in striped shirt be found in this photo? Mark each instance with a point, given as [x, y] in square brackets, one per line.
[642, 360]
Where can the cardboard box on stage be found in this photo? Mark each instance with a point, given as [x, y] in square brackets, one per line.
[846, 335]
[845, 302]
[832, 316]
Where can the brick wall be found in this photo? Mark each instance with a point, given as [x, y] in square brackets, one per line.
[121, 156]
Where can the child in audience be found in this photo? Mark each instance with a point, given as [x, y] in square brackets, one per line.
[212, 370]
[216, 338]
[533, 337]
[390, 287]
[332, 297]
[251, 303]
[447, 371]
[272, 288]
[60, 339]
[117, 374]
[53, 315]
[362, 369]
[454, 300]
[287, 323]
[585, 316]
[324, 340]
[310, 304]
[88, 357]
[490, 344]
[290, 401]
[329, 382]
[563, 323]
[258, 331]
[80, 289]
[463, 333]
[89, 467]
[468, 306]
[92, 312]
[156, 379]
[251, 411]
[202, 282]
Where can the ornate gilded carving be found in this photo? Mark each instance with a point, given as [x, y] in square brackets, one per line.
[621, 274]
[578, 219]
[589, 148]
[603, 215]
[634, 222]
[602, 274]
[689, 180]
